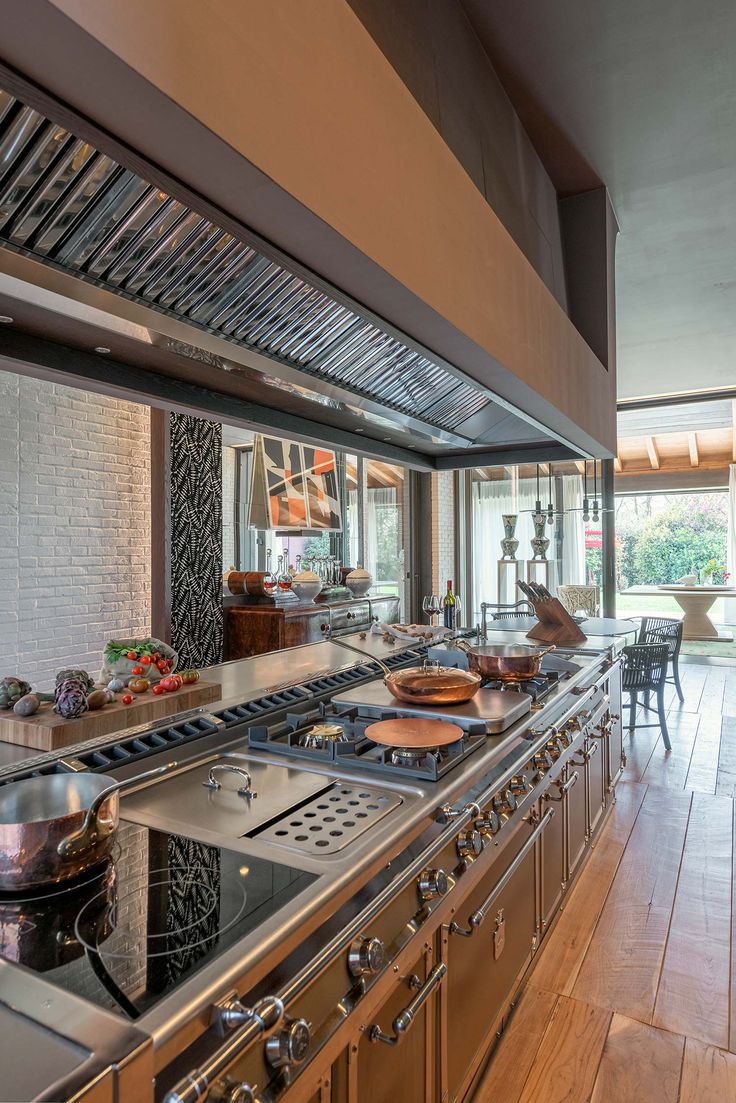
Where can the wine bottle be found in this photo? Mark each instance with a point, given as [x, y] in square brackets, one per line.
[449, 607]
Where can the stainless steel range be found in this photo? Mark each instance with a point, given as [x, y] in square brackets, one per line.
[294, 899]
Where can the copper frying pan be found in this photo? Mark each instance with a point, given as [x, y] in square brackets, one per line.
[413, 732]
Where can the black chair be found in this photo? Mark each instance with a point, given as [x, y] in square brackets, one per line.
[644, 670]
[665, 630]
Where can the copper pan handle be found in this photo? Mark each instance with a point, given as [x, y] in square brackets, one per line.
[94, 828]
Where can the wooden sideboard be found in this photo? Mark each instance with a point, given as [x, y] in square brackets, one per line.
[256, 629]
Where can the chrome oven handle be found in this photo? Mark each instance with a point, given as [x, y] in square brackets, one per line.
[265, 1015]
[480, 913]
[405, 1018]
[244, 790]
[564, 789]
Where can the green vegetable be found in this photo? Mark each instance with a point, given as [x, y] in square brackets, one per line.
[11, 690]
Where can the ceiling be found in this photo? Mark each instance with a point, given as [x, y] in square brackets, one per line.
[640, 97]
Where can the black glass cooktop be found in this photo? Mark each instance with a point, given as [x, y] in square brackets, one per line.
[128, 934]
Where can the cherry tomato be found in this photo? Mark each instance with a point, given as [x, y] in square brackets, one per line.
[137, 670]
[132, 655]
[146, 660]
[162, 665]
[128, 699]
[158, 689]
[156, 656]
[189, 677]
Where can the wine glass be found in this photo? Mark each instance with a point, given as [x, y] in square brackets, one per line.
[432, 606]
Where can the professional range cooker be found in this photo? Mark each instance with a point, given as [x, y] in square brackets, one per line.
[299, 912]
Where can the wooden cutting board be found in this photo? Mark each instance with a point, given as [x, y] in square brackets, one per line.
[46, 731]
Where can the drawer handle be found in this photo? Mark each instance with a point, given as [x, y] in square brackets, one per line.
[405, 1018]
[564, 789]
[480, 913]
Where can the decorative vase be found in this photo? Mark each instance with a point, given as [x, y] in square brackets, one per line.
[359, 581]
[509, 544]
[540, 542]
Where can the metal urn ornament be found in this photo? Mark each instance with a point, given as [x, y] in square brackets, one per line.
[359, 581]
[540, 542]
[509, 544]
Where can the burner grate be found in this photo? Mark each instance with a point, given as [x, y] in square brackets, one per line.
[331, 821]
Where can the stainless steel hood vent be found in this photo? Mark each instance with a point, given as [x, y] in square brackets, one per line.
[68, 204]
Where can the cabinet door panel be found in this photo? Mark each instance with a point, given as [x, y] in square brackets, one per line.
[481, 970]
[577, 818]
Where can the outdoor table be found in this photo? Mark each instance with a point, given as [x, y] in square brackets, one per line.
[695, 601]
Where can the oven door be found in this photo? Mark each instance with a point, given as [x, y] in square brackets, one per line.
[489, 945]
[396, 1057]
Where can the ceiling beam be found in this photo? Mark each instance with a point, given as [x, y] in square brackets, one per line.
[692, 443]
[652, 453]
[617, 466]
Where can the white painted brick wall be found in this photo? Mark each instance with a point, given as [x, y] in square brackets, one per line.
[443, 531]
[229, 457]
[74, 526]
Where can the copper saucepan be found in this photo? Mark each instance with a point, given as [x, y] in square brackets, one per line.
[509, 662]
[56, 826]
[432, 684]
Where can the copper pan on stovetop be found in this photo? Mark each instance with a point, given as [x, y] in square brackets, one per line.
[432, 684]
[509, 662]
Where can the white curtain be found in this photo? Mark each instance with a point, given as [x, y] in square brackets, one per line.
[729, 607]
[491, 499]
[572, 570]
[377, 500]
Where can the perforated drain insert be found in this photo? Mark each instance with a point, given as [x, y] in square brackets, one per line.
[330, 821]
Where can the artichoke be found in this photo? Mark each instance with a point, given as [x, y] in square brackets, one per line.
[11, 690]
[75, 675]
[71, 698]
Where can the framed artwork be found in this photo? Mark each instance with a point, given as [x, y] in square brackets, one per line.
[323, 495]
[293, 486]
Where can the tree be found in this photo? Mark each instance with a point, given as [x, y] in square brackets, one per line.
[679, 540]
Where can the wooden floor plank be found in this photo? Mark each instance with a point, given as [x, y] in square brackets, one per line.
[702, 775]
[726, 777]
[694, 990]
[560, 963]
[729, 693]
[732, 1025]
[621, 968]
[566, 1063]
[640, 1064]
[708, 1074]
[515, 1053]
[692, 679]
[639, 748]
[670, 768]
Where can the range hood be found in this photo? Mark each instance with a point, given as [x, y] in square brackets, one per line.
[77, 210]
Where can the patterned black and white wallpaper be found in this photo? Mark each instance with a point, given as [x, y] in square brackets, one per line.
[196, 539]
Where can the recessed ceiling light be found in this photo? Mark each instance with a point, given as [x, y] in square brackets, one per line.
[101, 349]
[6, 320]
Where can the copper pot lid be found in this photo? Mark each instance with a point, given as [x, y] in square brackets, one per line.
[414, 732]
[430, 676]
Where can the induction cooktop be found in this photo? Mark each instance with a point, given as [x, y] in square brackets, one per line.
[130, 932]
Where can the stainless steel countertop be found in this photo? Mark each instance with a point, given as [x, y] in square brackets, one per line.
[342, 874]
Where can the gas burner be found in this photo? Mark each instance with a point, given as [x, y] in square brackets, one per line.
[320, 736]
[414, 756]
[537, 688]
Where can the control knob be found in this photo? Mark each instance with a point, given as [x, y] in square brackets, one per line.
[542, 761]
[432, 883]
[470, 844]
[504, 801]
[519, 784]
[366, 955]
[488, 823]
[228, 1091]
[288, 1046]
[555, 747]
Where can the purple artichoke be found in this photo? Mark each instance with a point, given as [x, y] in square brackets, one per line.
[71, 698]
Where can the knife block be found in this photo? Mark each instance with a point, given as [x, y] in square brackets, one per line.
[554, 624]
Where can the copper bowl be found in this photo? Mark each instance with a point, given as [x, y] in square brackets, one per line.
[432, 684]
